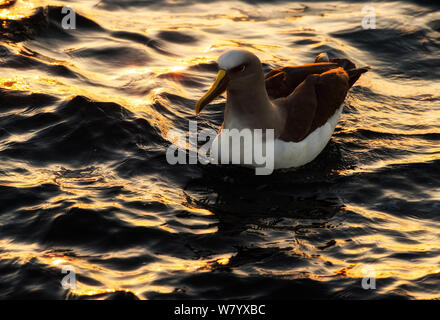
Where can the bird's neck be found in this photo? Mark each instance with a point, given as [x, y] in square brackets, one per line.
[250, 107]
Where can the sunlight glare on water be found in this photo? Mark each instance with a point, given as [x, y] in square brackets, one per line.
[84, 182]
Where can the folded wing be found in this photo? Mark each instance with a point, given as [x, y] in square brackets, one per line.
[312, 103]
[310, 94]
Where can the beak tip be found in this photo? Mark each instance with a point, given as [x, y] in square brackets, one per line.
[217, 88]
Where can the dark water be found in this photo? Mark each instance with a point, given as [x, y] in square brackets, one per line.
[84, 181]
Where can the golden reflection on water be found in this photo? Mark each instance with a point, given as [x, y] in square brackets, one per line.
[146, 276]
[21, 9]
[393, 267]
[273, 50]
[373, 167]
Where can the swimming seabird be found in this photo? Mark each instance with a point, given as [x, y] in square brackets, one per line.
[301, 103]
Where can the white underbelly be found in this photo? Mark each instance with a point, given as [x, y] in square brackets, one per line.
[296, 154]
[285, 154]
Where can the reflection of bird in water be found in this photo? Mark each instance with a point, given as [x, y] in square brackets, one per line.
[301, 103]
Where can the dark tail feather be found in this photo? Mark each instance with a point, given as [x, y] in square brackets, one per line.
[354, 74]
[344, 63]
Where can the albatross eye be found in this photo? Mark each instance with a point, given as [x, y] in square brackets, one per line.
[239, 68]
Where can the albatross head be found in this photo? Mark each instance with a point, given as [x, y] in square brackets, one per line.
[237, 69]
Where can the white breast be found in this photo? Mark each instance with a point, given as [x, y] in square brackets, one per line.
[286, 154]
[296, 154]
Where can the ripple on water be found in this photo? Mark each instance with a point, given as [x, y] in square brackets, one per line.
[84, 180]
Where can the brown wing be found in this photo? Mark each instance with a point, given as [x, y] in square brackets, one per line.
[282, 81]
[313, 102]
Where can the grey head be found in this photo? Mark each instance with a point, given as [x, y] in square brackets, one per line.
[238, 70]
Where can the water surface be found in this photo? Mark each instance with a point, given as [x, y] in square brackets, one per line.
[84, 181]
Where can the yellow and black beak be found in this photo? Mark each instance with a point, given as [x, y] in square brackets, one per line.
[219, 86]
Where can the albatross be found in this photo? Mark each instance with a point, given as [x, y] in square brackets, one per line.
[302, 104]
